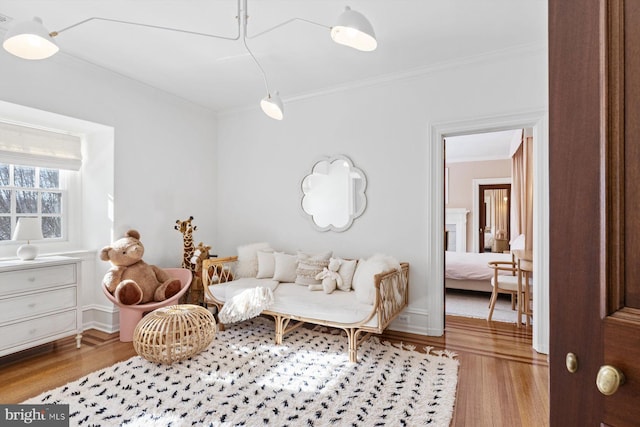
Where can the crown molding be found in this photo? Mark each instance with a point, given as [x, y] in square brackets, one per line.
[417, 72]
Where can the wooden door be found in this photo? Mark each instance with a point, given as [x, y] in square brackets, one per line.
[594, 151]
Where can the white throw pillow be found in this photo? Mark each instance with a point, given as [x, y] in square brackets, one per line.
[346, 271]
[309, 266]
[266, 264]
[285, 267]
[248, 259]
[363, 279]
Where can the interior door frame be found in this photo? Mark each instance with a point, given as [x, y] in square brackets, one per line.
[537, 120]
[476, 183]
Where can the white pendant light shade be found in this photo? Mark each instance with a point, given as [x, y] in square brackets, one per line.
[30, 40]
[354, 30]
[272, 106]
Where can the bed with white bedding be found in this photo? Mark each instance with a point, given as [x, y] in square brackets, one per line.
[470, 271]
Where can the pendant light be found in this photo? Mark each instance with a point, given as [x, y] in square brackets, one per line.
[30, 40]
[354, 30]
[272, 106]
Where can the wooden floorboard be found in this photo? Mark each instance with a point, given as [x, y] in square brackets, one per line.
[502, 380]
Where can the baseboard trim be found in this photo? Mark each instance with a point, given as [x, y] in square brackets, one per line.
[413, 321]
[101, 317]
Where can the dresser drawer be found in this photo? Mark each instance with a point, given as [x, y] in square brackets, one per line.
[36, 278]
[29, 305]
[37, 329]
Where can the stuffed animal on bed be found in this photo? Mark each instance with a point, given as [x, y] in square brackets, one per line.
[329, 276]
[131, 280]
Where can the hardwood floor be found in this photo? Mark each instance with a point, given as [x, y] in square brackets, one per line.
[29, 373]
[502, 380]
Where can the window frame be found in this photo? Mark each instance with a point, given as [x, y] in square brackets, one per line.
[68, 188]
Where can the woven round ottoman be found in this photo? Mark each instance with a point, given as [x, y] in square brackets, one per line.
[173, 333]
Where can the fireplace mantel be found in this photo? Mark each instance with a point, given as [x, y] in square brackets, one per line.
[458, 218]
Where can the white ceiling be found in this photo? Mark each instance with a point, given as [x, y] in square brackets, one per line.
[481, 146]
[299, 59]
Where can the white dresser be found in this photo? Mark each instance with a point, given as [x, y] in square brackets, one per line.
[39, 302]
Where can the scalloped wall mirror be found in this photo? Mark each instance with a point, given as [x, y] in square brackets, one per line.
[333, 194]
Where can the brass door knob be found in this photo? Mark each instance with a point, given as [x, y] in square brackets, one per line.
[609, 379]
[572, 362]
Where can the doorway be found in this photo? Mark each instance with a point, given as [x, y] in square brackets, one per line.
[537, 120]
[494, 217]
[479, 168]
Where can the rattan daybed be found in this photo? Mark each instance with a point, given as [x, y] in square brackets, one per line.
[294, 302]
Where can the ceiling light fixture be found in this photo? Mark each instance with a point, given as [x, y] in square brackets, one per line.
[354, 30]
[31, 40]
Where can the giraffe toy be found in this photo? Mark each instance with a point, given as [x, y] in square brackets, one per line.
[196, 292]
[187, 230]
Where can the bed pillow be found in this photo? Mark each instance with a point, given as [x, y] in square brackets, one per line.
[364, 276]
[309, 266]
[346, 272]
[285, 267]
[266, 264]
[248, 259]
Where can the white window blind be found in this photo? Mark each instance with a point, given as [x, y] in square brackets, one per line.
[22, 145]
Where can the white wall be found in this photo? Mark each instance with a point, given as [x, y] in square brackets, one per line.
[384, 129]
[166, 157]
[158, 166]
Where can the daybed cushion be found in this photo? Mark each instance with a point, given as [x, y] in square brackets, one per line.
[339, 306]
[296, 300]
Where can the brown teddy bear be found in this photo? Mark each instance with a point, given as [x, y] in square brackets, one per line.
[131, 280]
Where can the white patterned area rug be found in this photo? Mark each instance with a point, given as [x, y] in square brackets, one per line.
[244, 379]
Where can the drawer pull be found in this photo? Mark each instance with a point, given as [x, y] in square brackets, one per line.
[32, 331]
[31, 279]
[33, 304]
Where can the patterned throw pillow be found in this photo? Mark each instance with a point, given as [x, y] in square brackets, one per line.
[309, 266]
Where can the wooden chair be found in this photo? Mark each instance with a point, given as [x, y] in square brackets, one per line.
[511, 283]
[505, 284]
[525, 271]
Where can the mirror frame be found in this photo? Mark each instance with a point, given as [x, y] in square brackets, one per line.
[361, 194]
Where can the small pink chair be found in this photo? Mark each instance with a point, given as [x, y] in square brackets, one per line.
[130, 315]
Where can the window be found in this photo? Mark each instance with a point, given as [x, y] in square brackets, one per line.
[38, 170]
[35, 192]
